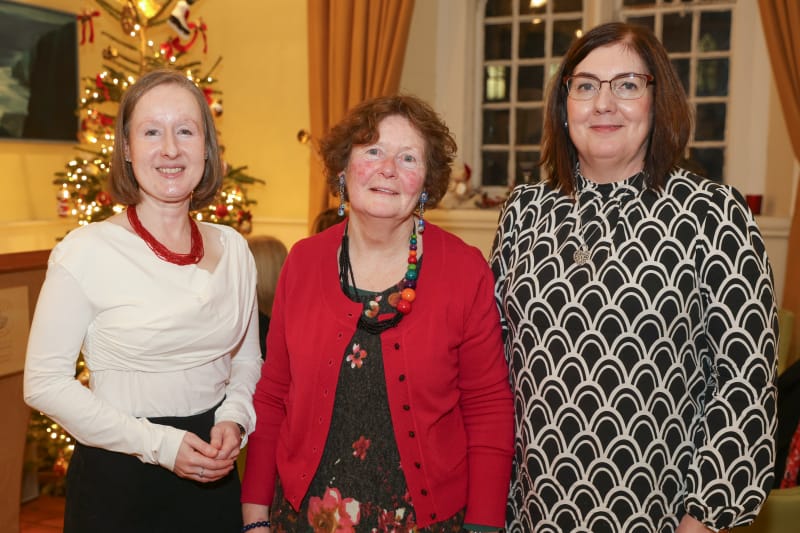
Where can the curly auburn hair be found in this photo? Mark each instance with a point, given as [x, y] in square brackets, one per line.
[360, 126]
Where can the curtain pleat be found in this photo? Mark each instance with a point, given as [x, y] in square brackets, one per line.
[356, 50]
[781, 21]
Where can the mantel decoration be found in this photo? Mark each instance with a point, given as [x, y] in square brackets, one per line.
[81, 186]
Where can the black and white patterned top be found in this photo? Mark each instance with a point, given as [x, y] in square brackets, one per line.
[644, 379]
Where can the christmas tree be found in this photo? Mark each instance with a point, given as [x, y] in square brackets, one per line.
[82, 191]
[82, 185]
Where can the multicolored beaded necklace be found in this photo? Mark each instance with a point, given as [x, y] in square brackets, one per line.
[407, 285]
[195, 253]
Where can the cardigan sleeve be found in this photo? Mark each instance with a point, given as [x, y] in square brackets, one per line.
[486, 404]
[732, 465]
[258, 485]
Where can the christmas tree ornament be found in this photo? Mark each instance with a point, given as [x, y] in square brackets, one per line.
[179, 19]
[128, 19]
[109, 52]
[86, 20]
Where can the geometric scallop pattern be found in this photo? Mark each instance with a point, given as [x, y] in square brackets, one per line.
[644, 379]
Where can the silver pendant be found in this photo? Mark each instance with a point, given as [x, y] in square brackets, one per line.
[581, 255]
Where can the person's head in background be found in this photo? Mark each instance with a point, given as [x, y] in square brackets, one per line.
[269, 254]
[325, 219]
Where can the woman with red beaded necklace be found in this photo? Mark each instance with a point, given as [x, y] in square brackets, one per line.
[384, 402]
[164, 310]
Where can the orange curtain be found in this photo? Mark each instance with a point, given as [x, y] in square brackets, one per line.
[781, 20]
[355, 50]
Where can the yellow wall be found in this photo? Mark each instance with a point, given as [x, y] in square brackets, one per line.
[264, 79]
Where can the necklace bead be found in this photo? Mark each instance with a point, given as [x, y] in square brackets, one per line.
[196, 251]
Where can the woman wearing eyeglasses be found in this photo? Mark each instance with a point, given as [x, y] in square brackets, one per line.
[638, 312]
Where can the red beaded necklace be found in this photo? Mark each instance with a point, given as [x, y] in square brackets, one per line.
[192, 258]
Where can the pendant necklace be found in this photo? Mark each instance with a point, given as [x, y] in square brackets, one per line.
[406, 287]
[162, 252]
[582, 253]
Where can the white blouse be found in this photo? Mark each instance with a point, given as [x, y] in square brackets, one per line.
[159, 339]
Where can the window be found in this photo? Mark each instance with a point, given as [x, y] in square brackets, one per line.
[524, 40]
[697, 36]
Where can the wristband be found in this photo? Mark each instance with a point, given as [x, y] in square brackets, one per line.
[253, 525]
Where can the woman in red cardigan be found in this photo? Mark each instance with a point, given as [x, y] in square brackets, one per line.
[384, 403]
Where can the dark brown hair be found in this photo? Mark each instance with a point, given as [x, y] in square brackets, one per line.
[672, 116]
[122, 182]
[360, 127]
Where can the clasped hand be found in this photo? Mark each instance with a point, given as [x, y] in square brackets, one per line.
[203, 461]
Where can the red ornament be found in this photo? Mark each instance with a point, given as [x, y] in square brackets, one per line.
[103, 198]
[222, 210]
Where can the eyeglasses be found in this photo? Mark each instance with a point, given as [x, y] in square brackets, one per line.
[628, 86]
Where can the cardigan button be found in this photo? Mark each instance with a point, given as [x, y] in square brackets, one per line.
[418, 464]
[406, 407]
[402, 377]
[411, 434]
[433, 516]
[424, 492]
[397, 346]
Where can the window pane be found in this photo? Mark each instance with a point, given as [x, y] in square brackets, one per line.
[495, 83]
[564, 32]
[564, 6]
[712, 77]
[495, 8]
[531, 39]
[527, 167]
[530, 84]
[532, 7]
[677, 32]
[715, 32]
[647, 22]
[710, 122]
[710, 160]
[529, 126]
[497, 41]
[494, 168]
[495, 126]
[628, 3]
[682, 70]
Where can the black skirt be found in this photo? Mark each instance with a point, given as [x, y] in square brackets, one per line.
[109, 491]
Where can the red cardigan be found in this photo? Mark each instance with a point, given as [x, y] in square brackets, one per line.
[446, 379]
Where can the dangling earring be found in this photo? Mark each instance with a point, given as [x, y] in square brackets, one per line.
[422, 199]
[341, 194]
[565, 124]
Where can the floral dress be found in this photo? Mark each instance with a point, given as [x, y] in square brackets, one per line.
[359, 485]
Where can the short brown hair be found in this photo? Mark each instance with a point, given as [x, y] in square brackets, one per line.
[122, 182]
[672, 116]
[360, 126]
[269, 254]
